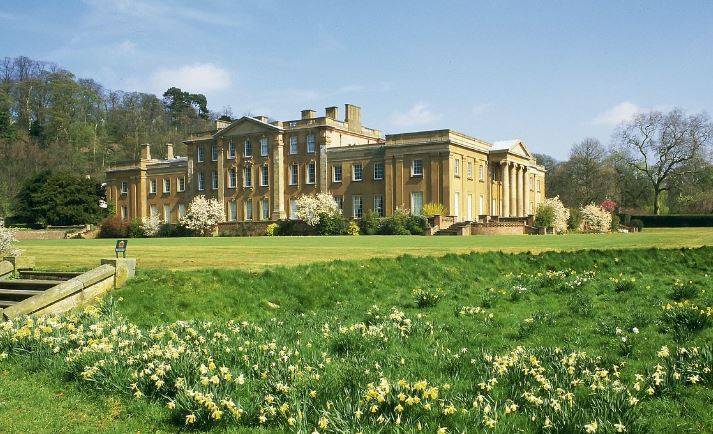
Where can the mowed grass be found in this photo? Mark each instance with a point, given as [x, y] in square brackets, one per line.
[259, 253]
[293, 305]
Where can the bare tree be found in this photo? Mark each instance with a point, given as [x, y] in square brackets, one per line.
[660, 144]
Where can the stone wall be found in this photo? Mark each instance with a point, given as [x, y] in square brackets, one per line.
[498, 229]
[39, 235]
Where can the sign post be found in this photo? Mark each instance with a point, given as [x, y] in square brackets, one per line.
[121, 247]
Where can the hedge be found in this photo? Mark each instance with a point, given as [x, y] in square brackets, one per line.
[675, 220]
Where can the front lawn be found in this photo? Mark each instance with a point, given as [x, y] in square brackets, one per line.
[596, 340]
[259, 253]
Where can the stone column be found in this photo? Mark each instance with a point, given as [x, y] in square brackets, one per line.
[520, 191]
[325, 141]
[142, 193]
[525, 191]
[505, 196]
[513, 191]
[220, 168]
[278, 178]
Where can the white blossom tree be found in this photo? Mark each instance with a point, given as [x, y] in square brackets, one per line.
[151, 225]
[595, 218]
[7, 243]
[559, 213]
[309, 208]
[203, 215]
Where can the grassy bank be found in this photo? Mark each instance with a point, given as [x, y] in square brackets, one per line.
[263, 252]
[479, 339]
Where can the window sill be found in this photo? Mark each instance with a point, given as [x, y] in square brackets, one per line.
[378, 179]
[357, 180]
[334, 181]
[416, 175]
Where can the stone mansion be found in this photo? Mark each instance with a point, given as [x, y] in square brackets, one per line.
[258, 169]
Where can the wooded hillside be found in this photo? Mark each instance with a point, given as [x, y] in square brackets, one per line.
[51, 119]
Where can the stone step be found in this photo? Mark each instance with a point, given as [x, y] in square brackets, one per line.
[18, 294]
[7, 303]
[36, 284]
[48, 275]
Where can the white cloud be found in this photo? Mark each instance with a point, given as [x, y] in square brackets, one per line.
[197, 78]
[419, 114]
[622, 112]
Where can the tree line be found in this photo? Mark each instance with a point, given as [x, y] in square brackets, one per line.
[656, 163]
[52, 120]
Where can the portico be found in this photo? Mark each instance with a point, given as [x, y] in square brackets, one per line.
[519, 174]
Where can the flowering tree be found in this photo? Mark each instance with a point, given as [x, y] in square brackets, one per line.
[609, 205]
[595, 218]
[203, 215]
[7, 243]
[557, 214]
[309, 208]
[151, 226]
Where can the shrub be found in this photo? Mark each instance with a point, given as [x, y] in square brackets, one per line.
[575, 219]
[395, 224]
[416, 224]
[615, 221]
[311, 208]
[60, 198]
[113, 227]
[331, 224]
[370, 224]
[7, 243]
[272, 229]
[135, 229]
[203, 215]
[169, 230]
[552, 213]
[353, 229]
[431, 209]
[293, 227]
[683, 291]
[638, 224]
[427, 297]
[595, 219]
[544, 216]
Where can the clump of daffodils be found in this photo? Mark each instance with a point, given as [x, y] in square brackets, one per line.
[264, 375]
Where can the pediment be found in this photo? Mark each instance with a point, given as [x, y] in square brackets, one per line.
[247, 125]
[520, 149]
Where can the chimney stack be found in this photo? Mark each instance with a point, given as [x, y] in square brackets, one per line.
[308, 114]
[332, 112]
[146, 151]
[261, 118]
[169, 151]
[352, 117]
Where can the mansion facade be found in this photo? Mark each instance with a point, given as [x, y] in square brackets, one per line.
[258, 169]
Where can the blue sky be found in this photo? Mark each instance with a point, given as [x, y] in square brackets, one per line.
[548, 72]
